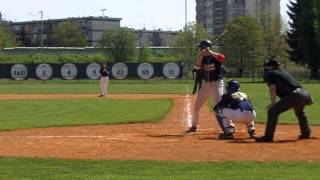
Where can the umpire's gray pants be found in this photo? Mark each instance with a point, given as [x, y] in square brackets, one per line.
[296, 100]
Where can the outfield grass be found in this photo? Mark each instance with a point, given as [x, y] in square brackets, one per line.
[16, 114]
[85, 86]
[25, 168]
[259, 95]
[258, 92]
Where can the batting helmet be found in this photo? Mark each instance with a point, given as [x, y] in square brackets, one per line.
[204, 44]
[233, 86]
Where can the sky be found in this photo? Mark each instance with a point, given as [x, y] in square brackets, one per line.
[138, 14]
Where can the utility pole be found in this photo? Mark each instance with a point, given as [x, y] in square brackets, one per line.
[186, 12]
[41, 29]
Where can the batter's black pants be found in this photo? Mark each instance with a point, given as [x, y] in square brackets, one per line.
[295, 100]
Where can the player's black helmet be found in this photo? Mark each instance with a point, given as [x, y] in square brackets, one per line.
[233, 86]
[271, 63]
[204, 44]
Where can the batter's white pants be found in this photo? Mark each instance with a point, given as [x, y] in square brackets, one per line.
[231, 116]
[104, 83]
[214, 89]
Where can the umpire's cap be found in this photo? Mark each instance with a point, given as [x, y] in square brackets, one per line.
[205, 44]
[271, 63]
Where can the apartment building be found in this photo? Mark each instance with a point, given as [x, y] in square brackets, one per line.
[214, 14]
[154, 38]
[92, 29]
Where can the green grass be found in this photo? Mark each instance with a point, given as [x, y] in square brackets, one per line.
[257, 91]
[25, 168]
[86, 86]
[43, 113]
[259, 95]
[17, 114]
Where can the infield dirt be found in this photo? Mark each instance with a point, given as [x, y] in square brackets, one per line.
[157, 141]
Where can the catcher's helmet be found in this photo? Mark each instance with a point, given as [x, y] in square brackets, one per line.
[204, 44]
[233, 86]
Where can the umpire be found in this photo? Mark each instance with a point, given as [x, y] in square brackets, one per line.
[291, 95]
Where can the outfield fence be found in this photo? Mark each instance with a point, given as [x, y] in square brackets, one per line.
[131, 71]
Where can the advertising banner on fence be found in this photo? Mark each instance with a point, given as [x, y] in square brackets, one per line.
[70, 71]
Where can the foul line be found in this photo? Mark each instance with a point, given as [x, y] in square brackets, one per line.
[187, 108]
[90, 137]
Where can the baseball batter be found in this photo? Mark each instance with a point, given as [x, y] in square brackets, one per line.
[235, 106]
[209, 64]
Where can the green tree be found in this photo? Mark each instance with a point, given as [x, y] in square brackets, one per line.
[67, 34]
[144, 54]
[24, 38]
[294, 34]
[273, 36]
[317, 9]
[309, 45]
[243, 43]
[6, 37]
[302, 35]
[120, 43]
[185, 45]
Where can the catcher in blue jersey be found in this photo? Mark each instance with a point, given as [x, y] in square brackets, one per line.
[235, 107]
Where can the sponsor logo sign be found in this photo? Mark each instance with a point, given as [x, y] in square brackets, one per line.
[69, 71]
[119, 71]
[19, 72]
[44, 71]
[171, 70]
[145, 71]
[93, 70]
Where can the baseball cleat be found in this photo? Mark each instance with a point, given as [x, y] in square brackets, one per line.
[225, 136]
[263, 139]
[304, 136]
[191, 129]
[251, 133]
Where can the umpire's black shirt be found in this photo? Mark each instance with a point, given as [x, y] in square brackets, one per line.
[284, 82]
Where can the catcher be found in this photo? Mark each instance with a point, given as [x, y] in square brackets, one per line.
[235, 107]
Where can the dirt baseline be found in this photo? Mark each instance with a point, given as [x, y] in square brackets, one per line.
[159, 141]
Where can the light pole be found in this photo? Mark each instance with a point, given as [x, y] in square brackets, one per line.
[41, 29]
[186, 12]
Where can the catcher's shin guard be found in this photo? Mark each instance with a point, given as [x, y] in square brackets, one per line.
[220, 120]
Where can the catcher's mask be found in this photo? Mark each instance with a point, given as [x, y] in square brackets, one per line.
[204, 44]
[233, 86]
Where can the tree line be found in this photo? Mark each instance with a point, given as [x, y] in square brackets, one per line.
[304, 34]
[250, 41]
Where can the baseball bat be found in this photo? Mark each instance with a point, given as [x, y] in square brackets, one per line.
[220, 37]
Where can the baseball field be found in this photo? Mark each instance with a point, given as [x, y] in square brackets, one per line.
[63, 130]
